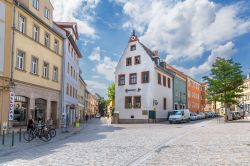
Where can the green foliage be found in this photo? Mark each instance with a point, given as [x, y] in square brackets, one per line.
[102, 104]
[225, 83]
[111, 92]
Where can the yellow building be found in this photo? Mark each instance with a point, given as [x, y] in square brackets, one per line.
[37, 60]
[5, 59]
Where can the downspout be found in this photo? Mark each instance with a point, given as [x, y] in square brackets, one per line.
[62, 86]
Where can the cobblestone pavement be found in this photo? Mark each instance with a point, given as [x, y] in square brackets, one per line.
[209, 142]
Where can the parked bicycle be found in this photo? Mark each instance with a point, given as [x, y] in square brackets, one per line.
[39, 130]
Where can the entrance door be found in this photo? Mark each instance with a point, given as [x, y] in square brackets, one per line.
[54, 113]
[40, 109]
[151, 115]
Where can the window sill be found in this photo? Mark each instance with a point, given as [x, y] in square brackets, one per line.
[55, 81]
[22, 70]
[47, 78]
[34, 74]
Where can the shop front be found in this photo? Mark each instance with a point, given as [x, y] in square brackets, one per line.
[21, 111]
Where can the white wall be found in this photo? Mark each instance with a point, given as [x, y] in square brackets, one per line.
[2, 35]
[149, 91]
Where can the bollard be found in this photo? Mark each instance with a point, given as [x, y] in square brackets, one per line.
[20, 134]
[3, 137]
[13, 138]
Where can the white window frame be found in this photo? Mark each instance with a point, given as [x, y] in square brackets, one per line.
[36, 33]
[46, 13]
[22, 22]
[47, 40]
[56, 46]
[34, 65]
[20, 60]
[55, 73]
[46, 70]
[35, 4]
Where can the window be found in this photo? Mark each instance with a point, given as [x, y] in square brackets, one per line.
[22, 24]
[46, 13]
[133, 48]
[68, 67]
[34, 65]
[55, 73]
[159, 78]
[145, 77]
[20, 60]
[71, 71]
[137, 101]
[45, 70]
[169, 83]
[67, 89]
[47, 40]
[164, 104]
[36, 4]
[129, 61]
[164, 81]
[128, 102]
[137, 60]
[36, 33]
[121, 80]
[69, 47]
[70, 92]
[56, 46]
[133, 78]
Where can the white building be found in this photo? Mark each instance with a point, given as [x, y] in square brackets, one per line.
[70, 72]
[143, 85]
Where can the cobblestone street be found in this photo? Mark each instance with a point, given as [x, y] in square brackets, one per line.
[209, 142]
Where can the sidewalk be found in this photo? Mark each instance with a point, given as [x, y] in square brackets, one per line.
[7, 148]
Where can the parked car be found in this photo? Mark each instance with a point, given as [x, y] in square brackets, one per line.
[202, 115]
[180, 116]
[193, 116]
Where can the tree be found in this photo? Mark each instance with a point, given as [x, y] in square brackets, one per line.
[102, 106]
[111, 92]
[225, 83]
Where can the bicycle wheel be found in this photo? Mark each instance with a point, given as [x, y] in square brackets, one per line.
[52, 132]
[45, 136]
[28, 136]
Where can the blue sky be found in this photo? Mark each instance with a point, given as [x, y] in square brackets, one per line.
[188, 34]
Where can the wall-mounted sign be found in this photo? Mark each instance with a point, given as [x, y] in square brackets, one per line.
[128, 90]
[12, 105]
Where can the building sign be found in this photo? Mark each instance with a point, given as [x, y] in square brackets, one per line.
[12, 105]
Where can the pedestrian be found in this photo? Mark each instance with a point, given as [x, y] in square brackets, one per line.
[30, 125]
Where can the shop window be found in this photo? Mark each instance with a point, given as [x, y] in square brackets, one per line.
[137, 102]
[128, 102]
[21, 110]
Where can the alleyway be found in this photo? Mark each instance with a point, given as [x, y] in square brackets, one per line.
[99, 143]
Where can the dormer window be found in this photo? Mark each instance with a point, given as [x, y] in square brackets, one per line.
[133, 48]
[46, 13]
[129, 61]
[36, 4]
[137, 60]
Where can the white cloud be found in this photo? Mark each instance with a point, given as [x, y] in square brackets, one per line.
[95, 76]
[80, 11]
[96, 87]
[184, 29]
[95, 55]
[224, 51]
[107, 68]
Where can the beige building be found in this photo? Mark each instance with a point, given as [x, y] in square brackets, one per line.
[246, 99]
[81, 98]
[91, 102]
[5, 59]
[37, 52]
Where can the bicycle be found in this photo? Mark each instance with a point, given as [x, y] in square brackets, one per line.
[41, 132]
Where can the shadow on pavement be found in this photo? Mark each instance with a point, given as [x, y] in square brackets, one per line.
[92, 131]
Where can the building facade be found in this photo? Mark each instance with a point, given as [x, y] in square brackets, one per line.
[71, 71]
[81, 98]
[246, 99]
[194, 95]
[6, 15]
[37, 63]
[179, 89]
[143, 85]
